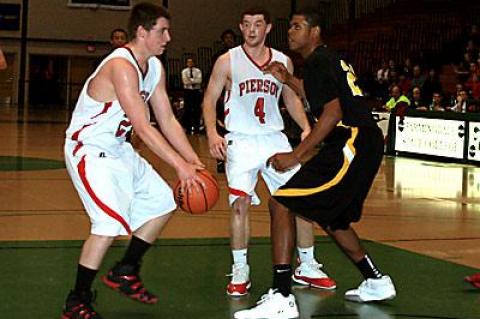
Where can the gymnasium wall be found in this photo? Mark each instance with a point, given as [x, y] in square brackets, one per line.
[52, 25]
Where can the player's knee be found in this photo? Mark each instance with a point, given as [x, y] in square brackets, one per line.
[241, 205]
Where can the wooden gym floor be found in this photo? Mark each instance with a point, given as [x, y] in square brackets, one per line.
[421, 223]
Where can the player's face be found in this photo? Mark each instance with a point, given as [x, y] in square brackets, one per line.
[254, 29]
[299, 33]
[159, 36]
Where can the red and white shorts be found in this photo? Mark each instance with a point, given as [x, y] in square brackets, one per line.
[247, 156]
[120, 192]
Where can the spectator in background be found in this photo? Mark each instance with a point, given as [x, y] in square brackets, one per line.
[474, 35]
[382, 81]
[392, 66]
[404, 83]
[392, 78]
[192, 84]
[407, 68]
[3, 61]
[417, 101]
[473, 82]
[471, 50]
[397, 101]
[118, 38]
[461, 103]
[453, 98]
[431, 84]
[418, 78]
[228, 38]
[437, 103]
[462, 69]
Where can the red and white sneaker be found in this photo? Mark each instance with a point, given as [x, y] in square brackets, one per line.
[311, 274]
[474, 280]
[240, 283]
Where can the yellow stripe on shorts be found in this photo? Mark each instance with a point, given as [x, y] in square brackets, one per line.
[348, 155]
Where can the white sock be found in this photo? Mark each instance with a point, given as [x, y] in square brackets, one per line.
[239, 256]
[306, 254]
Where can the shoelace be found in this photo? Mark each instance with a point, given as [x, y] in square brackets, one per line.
[367, 283]
[316, 265]
[235, 271]
[267, 296]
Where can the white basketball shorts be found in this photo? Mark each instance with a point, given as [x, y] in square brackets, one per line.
[247, 155]
[120, 193]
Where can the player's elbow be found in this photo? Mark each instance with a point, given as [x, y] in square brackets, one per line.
[142, 129]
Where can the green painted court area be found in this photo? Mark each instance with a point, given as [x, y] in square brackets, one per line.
[18, 163]
[189, 276]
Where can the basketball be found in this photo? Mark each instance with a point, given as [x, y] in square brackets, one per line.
[198, 202]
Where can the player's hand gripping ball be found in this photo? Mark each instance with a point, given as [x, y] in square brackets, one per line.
[198, 201]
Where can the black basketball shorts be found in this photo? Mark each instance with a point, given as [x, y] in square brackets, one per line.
[331, 187]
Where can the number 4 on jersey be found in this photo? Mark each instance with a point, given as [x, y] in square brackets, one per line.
[259, 110]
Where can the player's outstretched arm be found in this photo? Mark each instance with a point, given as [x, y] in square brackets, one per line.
[295, 106]
[217, 82]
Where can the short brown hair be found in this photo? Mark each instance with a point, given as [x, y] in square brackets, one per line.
[145, 14]
[257, 10]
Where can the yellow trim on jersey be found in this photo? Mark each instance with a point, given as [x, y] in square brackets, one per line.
[348, 155]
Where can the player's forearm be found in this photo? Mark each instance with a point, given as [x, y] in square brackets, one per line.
[209, 117]
[298, 114]
[296, 85]
[159, 145]
[175, 135]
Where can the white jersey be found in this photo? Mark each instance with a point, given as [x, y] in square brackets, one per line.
[251, 106]
[102, 126]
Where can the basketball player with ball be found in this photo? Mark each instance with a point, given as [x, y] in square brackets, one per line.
[254, 123]
[121, 192]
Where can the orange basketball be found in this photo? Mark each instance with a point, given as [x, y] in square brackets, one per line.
[198, 202]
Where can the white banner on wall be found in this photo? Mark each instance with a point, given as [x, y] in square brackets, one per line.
[474, 141]
[438, 137]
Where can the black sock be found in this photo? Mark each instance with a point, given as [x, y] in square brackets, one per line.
[135, 251]
[282, 278]
[85, 277]
[368, 268]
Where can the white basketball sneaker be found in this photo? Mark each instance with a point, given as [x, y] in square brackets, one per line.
[311, 274]
[272, 305]
[372, 289]
[240, 283]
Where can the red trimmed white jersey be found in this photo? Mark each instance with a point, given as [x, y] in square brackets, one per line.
[251, 106]
[103, 126]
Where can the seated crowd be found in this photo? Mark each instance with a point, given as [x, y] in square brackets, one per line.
[422, 90]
